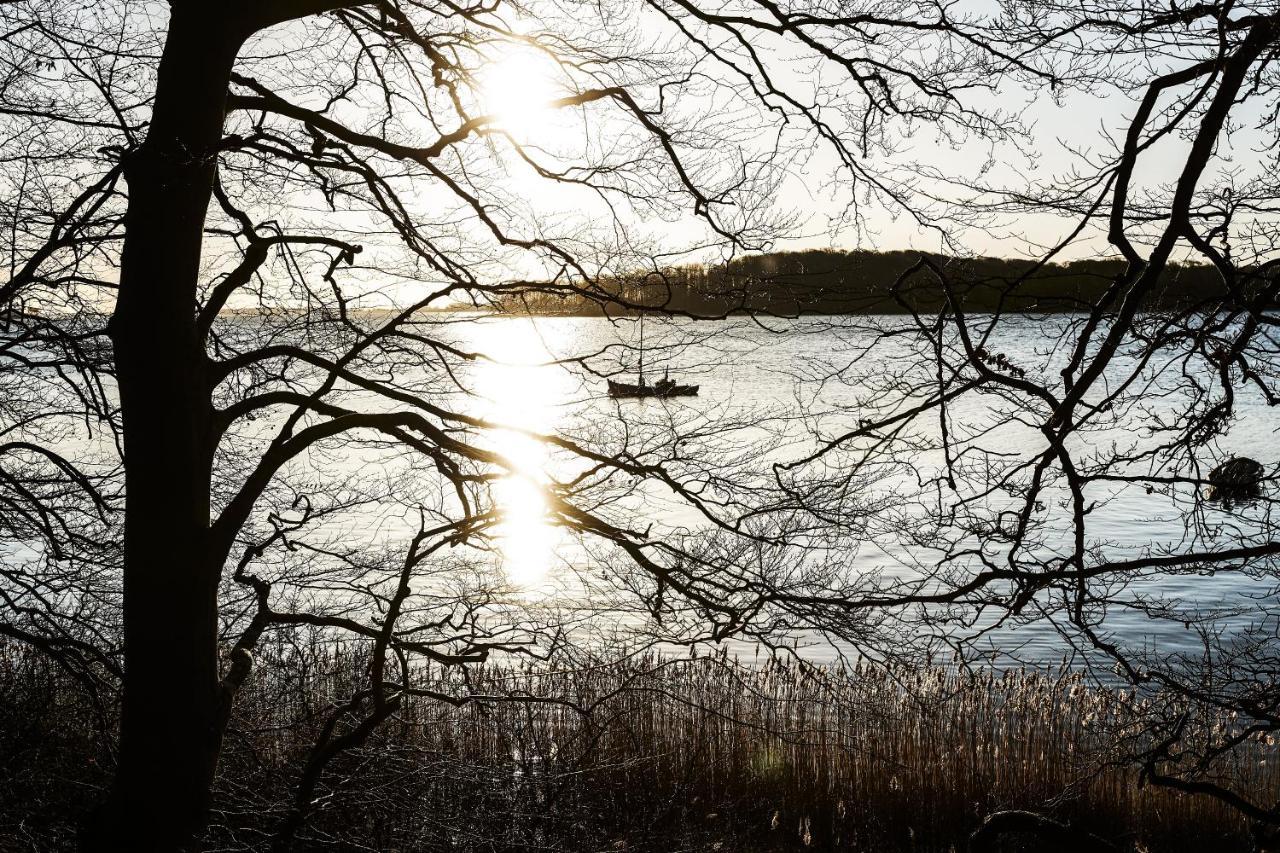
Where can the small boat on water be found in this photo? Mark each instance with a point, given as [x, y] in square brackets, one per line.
[664, 387]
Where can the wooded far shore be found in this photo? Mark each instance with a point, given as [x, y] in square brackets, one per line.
[875, 282]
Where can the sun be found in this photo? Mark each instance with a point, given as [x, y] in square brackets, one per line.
[518, 91]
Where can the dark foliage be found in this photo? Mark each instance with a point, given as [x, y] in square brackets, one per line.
[873, 282]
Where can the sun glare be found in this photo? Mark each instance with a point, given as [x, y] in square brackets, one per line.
[525, 535]
[517, 91]
[517, 391]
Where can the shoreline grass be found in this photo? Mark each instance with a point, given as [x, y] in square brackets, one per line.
[690, 755]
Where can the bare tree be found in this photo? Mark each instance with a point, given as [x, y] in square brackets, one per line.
[228, 226]
[1012, 451]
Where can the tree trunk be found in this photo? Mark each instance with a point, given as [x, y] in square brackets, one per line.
[169, 737]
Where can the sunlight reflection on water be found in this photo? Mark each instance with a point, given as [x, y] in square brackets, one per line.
[519, 391]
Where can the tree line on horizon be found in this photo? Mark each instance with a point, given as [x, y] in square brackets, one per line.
[864, 281]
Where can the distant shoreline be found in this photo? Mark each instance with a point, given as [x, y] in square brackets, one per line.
[867, 283]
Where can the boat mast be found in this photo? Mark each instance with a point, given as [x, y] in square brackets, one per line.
[641, 348]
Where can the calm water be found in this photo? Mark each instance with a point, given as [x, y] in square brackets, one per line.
[767, 395]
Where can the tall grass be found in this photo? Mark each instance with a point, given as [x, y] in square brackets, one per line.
[699, 754]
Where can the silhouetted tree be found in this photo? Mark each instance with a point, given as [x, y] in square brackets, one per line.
[1010, 449]
[227, 223]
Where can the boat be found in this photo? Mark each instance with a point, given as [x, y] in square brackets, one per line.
[663, 388]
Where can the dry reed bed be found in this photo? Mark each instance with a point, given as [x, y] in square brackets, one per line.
[673, 755]
[866, 758]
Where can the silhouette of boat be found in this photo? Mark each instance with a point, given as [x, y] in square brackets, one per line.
[664, 387]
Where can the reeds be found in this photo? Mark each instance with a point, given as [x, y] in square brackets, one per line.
[694, 754]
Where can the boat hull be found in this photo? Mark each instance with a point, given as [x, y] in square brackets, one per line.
[626, 390]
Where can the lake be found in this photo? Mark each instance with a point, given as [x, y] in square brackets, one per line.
[770, 392]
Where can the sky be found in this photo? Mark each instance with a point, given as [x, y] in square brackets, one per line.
[802, 188]
[1061, 134]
